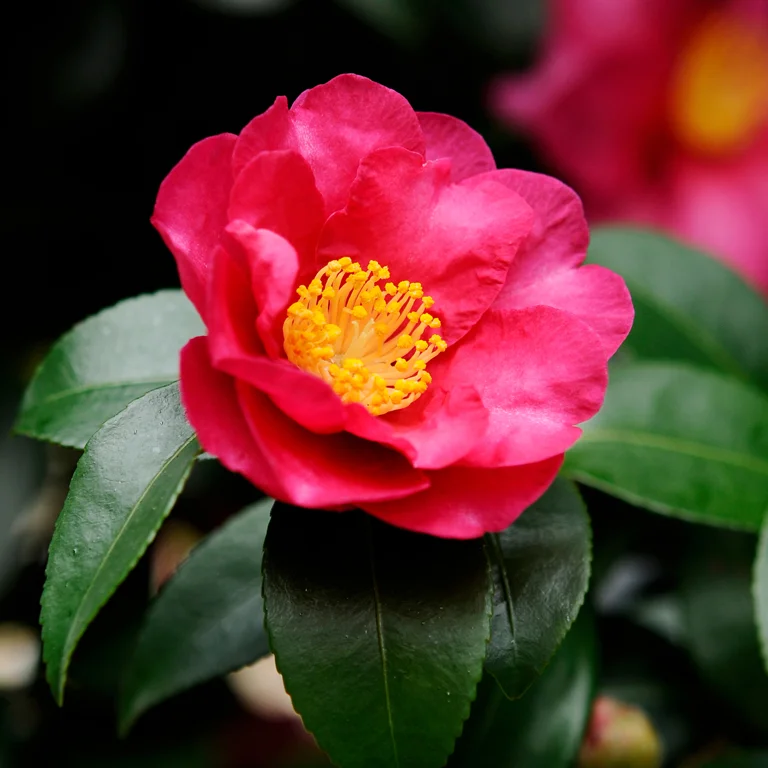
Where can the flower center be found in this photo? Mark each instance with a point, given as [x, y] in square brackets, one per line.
[719, 97]
[365, 340]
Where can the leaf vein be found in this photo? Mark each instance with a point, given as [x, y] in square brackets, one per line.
[73, 633]
[382, 648]
[676, 445]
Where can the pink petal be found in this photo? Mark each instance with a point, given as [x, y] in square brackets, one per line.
[722, 208]
[230, 311]
[268, 131]
[559, 236]
[337, 124]
[236, 349]
[450, 137]
[434, 432]
[594, 294]
[539, 372]
[465, 502]
[277, 191]
[546, 269]
[458, 240]
[191, 210]
[333, 471]
[211, 405]
[595, 102]
[333, 126]
[273, 267]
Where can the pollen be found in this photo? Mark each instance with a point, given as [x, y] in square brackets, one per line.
[370, 340]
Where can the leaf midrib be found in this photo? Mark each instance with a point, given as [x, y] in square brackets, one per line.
[62, 394]
[382, 648]
[73, 633]
[652, 440]
[507, 589]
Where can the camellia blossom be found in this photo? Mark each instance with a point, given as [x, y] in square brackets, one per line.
[392, 323]
[657, 112]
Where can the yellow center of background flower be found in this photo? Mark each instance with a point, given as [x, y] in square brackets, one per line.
[370, 343]
[719, 97]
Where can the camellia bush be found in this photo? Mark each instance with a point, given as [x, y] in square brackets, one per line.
[395, 341]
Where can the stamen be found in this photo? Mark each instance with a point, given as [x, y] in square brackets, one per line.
[365, 340]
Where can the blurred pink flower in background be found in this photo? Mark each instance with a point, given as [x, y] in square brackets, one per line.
[657, 113]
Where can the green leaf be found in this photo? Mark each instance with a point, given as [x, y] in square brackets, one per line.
[125, 484]
[104, 363]
[720, 621]
[545, 727]
[679, 441]
[760, 591]
[379, 634]
[541, 569]
[207, 620]
[688, 306]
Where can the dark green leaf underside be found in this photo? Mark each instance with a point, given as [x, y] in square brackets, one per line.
[207, 620]
[545, 727]
[718, 610]
[541, 566]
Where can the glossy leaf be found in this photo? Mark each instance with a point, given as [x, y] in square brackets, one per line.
[679, 441]
[760, 591]
[545, 727]
[206, 621]
[688, 306]
[379, 634]
[125, 484]
[104, 363]
[720, 623]
[541, 569]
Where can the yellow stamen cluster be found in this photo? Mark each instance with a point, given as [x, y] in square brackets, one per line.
[370, 343]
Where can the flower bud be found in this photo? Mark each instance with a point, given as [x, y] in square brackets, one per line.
[619, 736]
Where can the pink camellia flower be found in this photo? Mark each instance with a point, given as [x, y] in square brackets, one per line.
[393, 324]
[657, 112]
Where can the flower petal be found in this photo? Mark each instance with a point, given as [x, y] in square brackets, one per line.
[231, 310]
[466, 502]
[559, 236]
[342, 121]
[191, 210]
[328, 471]
[458, 240]
[236, 349]
[546, 269]
[277, 191]
[450, 137]
[272, 268]
[210, 402]
[539, 372]
[333, 126]
[721, 207]
[434, 432]
[268, 131]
